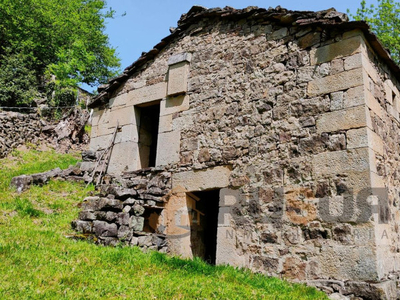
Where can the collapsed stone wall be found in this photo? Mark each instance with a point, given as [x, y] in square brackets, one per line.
[17, 129]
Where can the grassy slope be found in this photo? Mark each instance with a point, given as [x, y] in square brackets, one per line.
[37, 261]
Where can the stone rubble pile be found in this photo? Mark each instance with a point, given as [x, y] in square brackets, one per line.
[23, 182]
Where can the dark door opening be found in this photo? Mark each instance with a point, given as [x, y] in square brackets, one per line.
[204, 207]
[148, 122]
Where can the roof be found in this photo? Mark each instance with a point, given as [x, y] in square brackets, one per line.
[325, 19]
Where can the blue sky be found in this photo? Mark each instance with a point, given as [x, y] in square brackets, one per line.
[147, 22]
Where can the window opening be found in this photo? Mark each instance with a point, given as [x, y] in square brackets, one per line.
[149, 119]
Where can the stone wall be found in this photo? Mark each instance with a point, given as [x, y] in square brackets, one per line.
[383, 100]
[294, 126]
[128, 212]
[18, 129]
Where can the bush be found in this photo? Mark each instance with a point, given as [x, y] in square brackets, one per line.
[65, 97]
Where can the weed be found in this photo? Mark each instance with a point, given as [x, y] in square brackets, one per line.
[88, 129]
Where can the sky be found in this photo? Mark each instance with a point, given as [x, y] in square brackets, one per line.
[148, 21]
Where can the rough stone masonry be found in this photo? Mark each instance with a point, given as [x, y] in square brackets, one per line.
[18, 129]
[262, 138]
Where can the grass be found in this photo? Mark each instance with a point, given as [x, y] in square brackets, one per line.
[88, 129]
[37, 261]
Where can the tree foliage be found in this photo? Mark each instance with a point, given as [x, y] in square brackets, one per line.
[17, 80]
[384, 20]
[44, 39]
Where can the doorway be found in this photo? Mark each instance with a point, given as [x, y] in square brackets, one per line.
[203, 214]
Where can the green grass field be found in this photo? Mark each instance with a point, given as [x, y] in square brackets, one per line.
[38, 261]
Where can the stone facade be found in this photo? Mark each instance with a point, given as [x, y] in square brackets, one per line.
[277, 130]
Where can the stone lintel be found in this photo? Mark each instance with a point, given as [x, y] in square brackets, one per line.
[180, 57]
[146, 94]
[211, 178]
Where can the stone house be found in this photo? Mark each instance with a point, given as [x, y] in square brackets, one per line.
[262, 138]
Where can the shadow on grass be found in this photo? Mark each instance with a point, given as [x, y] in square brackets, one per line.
[25, 208]
[229, 273]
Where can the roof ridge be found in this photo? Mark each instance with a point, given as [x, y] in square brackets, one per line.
[285, 17]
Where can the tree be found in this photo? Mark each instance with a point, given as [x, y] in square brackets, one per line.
[384, 20]
[17, 80]
[57, 39]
